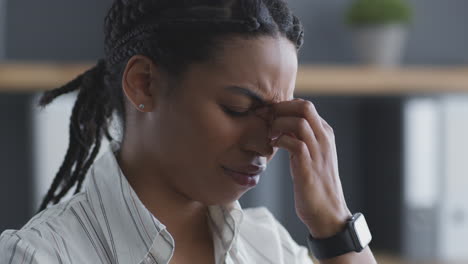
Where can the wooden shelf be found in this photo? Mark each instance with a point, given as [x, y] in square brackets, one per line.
[357, 80]
[311, 79]
[37, 76]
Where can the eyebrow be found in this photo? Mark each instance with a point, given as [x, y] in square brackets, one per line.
[247, 92]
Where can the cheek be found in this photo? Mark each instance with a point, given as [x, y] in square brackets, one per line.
[215, 128]
[200, 134]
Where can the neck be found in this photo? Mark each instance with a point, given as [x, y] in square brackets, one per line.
[184, 218]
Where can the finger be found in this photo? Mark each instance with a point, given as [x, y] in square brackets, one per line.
[298, 153]
[331, 136]
[300, 128]
[301, 108]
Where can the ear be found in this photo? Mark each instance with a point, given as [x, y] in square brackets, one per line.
[139, 74]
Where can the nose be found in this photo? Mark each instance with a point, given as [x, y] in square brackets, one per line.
[260, 146]
[256, 139]
[265, 113]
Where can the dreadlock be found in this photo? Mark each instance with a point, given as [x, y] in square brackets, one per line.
[158, 29]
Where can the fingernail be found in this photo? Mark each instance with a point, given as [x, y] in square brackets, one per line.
[273, 142]
[274, 138]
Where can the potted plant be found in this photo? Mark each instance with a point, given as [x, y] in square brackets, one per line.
[379, 30]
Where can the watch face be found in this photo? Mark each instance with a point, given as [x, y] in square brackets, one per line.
[362, 231]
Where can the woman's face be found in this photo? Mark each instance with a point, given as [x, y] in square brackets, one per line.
[197, 134]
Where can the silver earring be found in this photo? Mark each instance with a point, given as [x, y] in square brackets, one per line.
[141, 106]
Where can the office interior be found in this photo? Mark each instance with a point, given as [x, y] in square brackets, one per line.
[401, 130]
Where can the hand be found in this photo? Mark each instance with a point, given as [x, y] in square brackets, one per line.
[310, 141]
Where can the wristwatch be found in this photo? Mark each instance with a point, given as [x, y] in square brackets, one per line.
[354, 237]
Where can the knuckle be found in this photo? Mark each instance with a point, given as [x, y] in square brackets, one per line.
[311, 107]
[300, 147]
[309, 111]
[307, 107]
[326, 125]
[330, 136]
[330, 139]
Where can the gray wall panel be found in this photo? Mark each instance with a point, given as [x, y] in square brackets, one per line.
[2, 28]
[15, 160]
[55, 29]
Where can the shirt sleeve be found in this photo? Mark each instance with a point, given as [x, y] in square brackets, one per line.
[20, 247]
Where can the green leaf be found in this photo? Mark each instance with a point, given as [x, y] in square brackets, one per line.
[365, 12]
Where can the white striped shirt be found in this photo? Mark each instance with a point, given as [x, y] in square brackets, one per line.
[107, 223]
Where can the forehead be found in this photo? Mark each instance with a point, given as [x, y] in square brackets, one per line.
[266, 65]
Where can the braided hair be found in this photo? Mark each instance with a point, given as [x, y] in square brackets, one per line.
[158, 29]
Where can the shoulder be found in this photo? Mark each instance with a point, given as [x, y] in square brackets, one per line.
[43, 237]
[55, 214]
[261, 228]
[22, 246]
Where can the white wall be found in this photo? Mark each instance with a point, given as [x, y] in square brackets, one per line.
[454, 207]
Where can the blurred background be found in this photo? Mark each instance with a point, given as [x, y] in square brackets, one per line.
[391, 77]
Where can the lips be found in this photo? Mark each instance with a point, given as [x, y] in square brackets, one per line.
[249, 170]
[246, 176]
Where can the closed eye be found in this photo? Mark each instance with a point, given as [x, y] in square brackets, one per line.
[235, 113]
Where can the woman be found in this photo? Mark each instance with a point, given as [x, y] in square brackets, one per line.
[203, 92]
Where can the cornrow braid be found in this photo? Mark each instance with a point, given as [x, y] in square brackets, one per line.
[142, 32]
[297, 32]
[158, 29]
[86, 129]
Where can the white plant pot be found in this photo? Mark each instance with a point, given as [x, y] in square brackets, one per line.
[380, 45]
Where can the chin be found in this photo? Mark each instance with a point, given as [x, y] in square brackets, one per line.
[226, 197]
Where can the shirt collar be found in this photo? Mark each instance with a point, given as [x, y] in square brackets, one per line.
[130, 229]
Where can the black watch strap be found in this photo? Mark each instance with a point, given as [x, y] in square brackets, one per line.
[334, 246]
